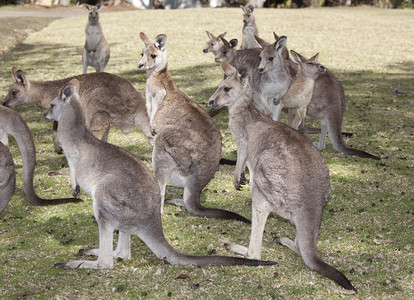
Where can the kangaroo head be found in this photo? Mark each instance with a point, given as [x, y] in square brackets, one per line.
[248, 17]
[68, 94]
[234, 87]
[154, 55]
[271, 55]
[309, 67]
[227, 51]
[19, 91]
[93, 13]
[214, 43]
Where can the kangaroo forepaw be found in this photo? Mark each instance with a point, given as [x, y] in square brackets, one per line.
[76, 191]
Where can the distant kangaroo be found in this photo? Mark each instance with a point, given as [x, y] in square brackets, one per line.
[288, 175]
[214, 43]
[124, 192]
[249, 29]
[187, 145]
[96, 52]
[299, 94]
[12, 123]
[107, 101]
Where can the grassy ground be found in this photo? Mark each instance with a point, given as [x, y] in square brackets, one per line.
[367, 227]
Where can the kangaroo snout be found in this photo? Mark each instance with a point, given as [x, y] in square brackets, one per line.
[211, 103]
[322, 69]
[260, 70]
[140, 66]
[205, 50]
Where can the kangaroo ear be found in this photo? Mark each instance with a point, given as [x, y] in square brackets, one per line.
[222, 35]
[261, 42]
[243, 8]
[296, 57]
[315, 58]
[280, 44]
[98, 7]
[19, 76]
[69, 90]
[210, 36]
[228, 69]
[145, 39]
[250, 9]
[233, 43]
[87, 6]
[161, 41]
[275, 36]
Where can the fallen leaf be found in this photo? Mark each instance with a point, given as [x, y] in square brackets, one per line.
[183, 276]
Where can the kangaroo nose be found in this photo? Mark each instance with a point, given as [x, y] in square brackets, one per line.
[260, 70]
[205, 50]
[140, 66]
[322, 68]
[211, 102]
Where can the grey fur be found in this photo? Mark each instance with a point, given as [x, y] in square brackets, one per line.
[96, 51]
[124, 192]
[249, 29]
[187, 146]
[288, 175]
[12, 123]
[107, 101]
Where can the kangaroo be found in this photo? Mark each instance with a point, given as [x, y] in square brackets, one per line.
[124, 192]
[187, 144]
[288, 175]
[270, 79]
[107, 100]
[12, 123]
[214, 43]
[327, 104]
[96, 52]
[299, 94]
[7, 176]
[249, 29]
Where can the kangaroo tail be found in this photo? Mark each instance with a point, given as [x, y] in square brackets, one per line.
[339, 145]
[155, 240]
[307, 239]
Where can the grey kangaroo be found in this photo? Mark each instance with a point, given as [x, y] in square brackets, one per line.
[299, 94]
[288, 175]
[269, 80]
[187, 145]
[96, 51]
[249, 28]
[12, 123]
[124, 192]
[107, 101]
[214, 43]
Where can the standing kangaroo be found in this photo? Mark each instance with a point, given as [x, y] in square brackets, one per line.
[249, 29]
[299, 94]
[187, 143]
[288, 175]
[107, 100]
[96, 51]
[124, 192]
[12, 123]
[327, 104]
[214, 43]
[269, 78]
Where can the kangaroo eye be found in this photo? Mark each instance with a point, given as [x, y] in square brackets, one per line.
[14, 93]
[271, 58]
[227, 89]
[153, 56]
[211, 44]
[142, 54]
[224, 52]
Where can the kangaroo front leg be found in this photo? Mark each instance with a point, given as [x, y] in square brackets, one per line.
[240, 164]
